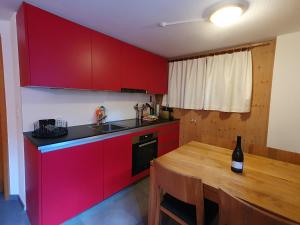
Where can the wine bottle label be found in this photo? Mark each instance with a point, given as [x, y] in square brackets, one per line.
[237, 165]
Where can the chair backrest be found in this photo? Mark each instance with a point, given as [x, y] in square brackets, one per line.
[234, 211]
[185, 188]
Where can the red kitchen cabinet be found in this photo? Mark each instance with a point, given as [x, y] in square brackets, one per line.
[106, 59]
[167, 147]
[117, 171]
[62, 183]
[53, 52]
[33, 183]
[143, 70]
[168, 138]
[117, 164]
[158, 71]
[72, 181]
[134, 68]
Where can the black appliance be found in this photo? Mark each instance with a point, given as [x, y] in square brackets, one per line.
[144, 149]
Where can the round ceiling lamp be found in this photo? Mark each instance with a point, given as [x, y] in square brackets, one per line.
[221, 14]
[227, 13]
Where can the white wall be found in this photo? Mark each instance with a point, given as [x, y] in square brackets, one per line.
[284, 120]
[75, 106]
[26, 105]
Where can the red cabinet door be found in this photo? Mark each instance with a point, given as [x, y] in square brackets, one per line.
[72, 181]
[135, 63]
[158, 71]
[32, 158]
[143, 70]
[59, 51]
[106, 59]
[168, 138]
[117, 164]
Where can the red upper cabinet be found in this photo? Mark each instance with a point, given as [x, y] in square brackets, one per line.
[158, 70]
[53, 52]
[134, 68]
[143, 70]
[23, 47]
[106, 57]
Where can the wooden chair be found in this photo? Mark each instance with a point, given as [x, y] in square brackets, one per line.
[179, 196]
[234, 211]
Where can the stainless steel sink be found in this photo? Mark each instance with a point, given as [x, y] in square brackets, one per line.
[107, 127]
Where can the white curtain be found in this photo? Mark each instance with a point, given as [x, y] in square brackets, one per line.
[186, 84]
[222, 83]
[228, 83]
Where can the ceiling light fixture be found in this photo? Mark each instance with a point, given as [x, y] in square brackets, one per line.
[222, 14]
[227, 13]
[164, 24]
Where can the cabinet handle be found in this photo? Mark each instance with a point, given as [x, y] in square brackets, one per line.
[148, 143]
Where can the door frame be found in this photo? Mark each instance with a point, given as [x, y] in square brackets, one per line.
[3, 131]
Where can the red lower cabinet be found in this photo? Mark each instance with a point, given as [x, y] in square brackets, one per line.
[117, 164]
[165, 148]
[168, 138]
[33, 182]
[66, 181]
[71, 181]
[63, 183]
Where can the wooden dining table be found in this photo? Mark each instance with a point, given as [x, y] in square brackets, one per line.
[269, 184]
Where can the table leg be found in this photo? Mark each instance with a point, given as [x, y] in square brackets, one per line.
[152, 198]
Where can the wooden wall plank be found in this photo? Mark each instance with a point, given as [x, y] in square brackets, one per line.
[1, 165]
[4, 174]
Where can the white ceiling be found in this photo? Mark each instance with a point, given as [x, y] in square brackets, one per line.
[136, 21]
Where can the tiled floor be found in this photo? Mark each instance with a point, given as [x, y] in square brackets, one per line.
[128, 207]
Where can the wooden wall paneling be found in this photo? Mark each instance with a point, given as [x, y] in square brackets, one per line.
[3, 134]
[192, 132]
[1, 165]
[278, 154]
[184, 134]
[221, 129]
[263, 61]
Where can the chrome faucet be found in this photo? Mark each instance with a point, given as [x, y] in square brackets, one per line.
[100, 120]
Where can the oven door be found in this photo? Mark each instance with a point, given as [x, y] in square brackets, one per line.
[142, 154]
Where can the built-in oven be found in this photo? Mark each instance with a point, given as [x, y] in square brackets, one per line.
[144, 149]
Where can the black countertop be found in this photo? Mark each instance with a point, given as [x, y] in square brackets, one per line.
[86, 131]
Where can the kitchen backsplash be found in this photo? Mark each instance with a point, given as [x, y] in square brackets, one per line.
[76, 106]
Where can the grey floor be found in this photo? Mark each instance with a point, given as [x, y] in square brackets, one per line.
[128, 207]
[11, 212]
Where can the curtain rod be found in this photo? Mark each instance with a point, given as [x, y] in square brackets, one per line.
[221, 51]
